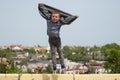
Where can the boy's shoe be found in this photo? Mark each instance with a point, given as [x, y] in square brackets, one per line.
[54, 67]
[62, 66]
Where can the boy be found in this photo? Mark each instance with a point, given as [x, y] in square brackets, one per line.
[54, 23]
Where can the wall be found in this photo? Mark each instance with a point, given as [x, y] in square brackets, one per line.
[59, 77]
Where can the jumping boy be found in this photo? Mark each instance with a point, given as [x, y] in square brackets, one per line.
[54, 23]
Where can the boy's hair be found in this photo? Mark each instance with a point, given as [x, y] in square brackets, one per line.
[56, 12]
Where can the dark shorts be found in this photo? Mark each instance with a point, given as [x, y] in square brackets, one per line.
[56, 41]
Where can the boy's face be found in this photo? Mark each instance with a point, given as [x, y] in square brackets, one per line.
[55, 17]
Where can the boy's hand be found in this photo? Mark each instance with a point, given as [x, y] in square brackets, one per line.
[40, 4]
[77, 16]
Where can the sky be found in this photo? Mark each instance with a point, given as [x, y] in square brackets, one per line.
[98, 22]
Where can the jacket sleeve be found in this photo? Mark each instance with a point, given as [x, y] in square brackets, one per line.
[68, 20]
[43, 11]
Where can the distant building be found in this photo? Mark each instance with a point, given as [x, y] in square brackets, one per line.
[16, 47]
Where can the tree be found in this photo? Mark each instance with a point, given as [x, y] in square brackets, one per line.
[113, 61]
[12, 68]
[31, 50]
[3, 68]
[66, 51]
[109, 46]
[49, 69]
[8, 67]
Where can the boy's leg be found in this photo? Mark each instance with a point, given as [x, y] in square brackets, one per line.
[61, 57]
[53, 51]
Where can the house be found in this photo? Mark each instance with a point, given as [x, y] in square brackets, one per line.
[16, 47]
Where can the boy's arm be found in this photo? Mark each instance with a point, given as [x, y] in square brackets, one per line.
[68, 20]
[43, 11]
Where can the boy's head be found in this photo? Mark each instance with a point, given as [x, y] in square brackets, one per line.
[55, 16]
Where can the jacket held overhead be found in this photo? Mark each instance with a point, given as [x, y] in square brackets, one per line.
[46, 12]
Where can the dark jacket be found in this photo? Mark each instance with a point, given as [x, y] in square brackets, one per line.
[46, 12]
